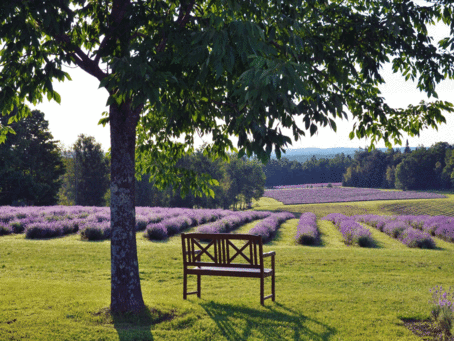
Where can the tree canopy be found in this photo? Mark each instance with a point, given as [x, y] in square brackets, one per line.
[30, 163]
[86, 180]
[420, 169]
[175, 70]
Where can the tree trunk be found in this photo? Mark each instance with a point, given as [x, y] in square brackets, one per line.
[126, 293]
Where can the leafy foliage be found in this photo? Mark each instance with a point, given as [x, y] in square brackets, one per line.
[245, 70]
[30, 163]
[422, 168]
[313, 171]
[225, 68]
[234, 183]
[87, 174]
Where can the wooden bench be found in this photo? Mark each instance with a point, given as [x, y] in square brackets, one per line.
[236, 255]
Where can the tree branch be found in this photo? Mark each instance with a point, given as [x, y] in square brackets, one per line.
[183, 18]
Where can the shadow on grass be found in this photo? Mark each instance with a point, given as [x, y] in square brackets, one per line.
[278, 323]
[137, 327]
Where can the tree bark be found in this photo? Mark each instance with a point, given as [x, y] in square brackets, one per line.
[126, 293]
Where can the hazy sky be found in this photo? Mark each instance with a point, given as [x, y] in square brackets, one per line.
[82, 104]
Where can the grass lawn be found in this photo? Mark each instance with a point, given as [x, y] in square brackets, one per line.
[59, 289]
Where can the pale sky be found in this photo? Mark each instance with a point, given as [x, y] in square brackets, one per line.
[82, 104]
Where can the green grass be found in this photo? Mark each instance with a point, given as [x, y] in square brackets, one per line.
[60, 289]
[443, 206]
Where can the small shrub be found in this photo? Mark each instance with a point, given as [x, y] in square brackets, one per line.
[93, 233]
[445, 321]
[141, 223]
[156, 232]
[305, 239]
[443, 309]
[42, 231]
[4, 229]
[69, 227]
[17, 226]
[366, 241]
[96, 231]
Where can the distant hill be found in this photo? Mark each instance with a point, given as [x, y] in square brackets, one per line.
[304, 154]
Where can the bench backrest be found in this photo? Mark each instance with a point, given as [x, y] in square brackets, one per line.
[222, 250]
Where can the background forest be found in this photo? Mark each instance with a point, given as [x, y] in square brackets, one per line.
[37, 171]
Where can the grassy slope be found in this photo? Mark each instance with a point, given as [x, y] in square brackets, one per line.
[59, 289]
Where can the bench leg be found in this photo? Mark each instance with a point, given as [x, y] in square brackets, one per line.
[262, 291]
[185, 286]
[198, 285]
[273, 288]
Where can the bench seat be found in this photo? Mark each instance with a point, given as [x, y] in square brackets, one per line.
[227, 271]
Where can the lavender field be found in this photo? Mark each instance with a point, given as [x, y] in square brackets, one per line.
[158, 223]
[93, 223]
[415, 231]
[320, 194]
[412, 230]
[325, 184]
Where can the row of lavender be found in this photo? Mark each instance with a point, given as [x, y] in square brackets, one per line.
[224, 222]
[268, 227]
[415, 231]
[93, 223]
[397, 227]
[352, 232]
[343, 194]
[307, 232]
[325, 184]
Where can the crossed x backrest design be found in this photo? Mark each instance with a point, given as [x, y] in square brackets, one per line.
[221, 249]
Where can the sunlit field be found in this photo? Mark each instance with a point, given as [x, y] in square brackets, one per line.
[319, 194]
[59, 288]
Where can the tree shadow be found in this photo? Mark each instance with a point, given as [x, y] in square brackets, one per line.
[278, 323]
[137, 327]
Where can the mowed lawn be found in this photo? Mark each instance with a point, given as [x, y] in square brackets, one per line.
[59, 289]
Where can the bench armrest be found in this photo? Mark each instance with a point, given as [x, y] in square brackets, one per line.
[267, 254]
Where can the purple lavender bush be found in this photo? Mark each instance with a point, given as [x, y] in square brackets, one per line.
[443, 309]
[267, 227]
[335, 218]
[307, 232]
[43, 230]
[141, 222]
[232, 221]
[17, 225]
[156, 232]
[445, 231]
[95, 230]
[5, 229]
[376, 221]
[395, 228]
[352, 232]
[416, 238]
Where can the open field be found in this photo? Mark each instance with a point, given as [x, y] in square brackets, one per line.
[59, 289]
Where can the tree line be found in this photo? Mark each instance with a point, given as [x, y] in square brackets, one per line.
[35, 170]
[281, 172]
[419, 169]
